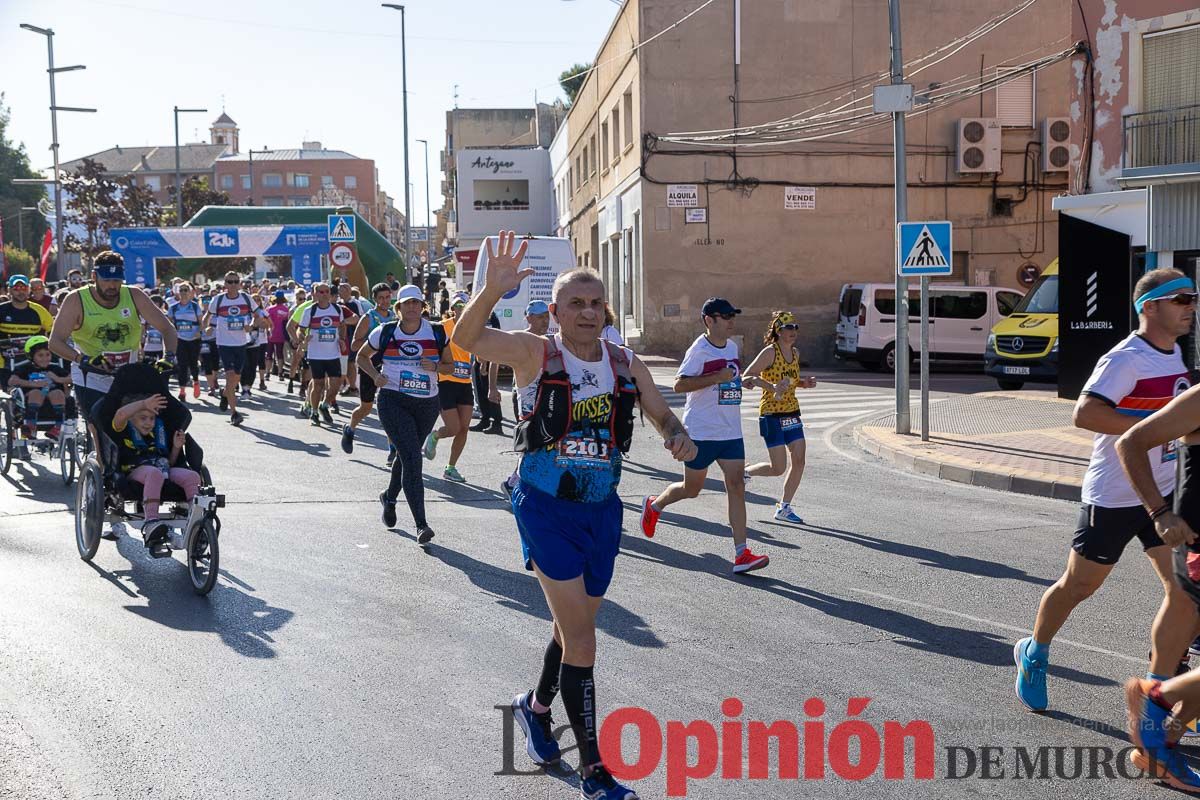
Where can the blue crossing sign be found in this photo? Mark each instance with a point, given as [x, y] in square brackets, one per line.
[341, 227]
[924, 249]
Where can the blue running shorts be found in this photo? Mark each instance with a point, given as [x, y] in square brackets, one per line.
[568, 539]
[778, 430]
[723, 450]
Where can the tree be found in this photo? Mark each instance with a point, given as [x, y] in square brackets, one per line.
[139, 207]
[18, 261]
[14, 163]
[93, 203]
[196, 195]
[571, 80]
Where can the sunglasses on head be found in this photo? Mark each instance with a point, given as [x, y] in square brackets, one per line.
[1182, 299]
[790, 326]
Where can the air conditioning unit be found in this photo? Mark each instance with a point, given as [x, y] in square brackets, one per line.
[1056, 144]
[978, 145]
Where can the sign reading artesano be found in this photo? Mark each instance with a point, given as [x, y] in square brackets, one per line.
[493, 165]
[683, 195]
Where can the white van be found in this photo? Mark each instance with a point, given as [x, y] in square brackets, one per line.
[550, 256]
[960, 318]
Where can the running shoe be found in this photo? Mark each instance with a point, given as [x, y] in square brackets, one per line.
[479, 426]
[237, 418]
[245, 392]
[157, 538]
[315, 419]
[430, 449]
[749, 562]
[451, 473]
[784, 513]
[538, 729]
[325, 415]
[1031, 677]
[214, 394]
[424, 534]
[334, 407]
[196, 390]
[291, 386]
[224, 402]
[347, 439]
[1147, 722]
[600, 785]
[305, 409]
[649, 516]
[497, 429]
[262, 386]
[54, 432]
[389, 510]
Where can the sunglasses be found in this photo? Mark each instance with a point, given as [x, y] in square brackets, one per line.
[723, 316]
[1182, 299]
[232, 280]
[791, 326]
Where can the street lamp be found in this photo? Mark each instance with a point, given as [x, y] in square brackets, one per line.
[428, 226]
[21, 224]
[54, 108]
[178, 184]
[404, 89]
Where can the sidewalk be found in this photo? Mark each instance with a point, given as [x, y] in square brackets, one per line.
[1013, 441]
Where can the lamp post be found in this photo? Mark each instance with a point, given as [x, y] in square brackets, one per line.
[404, 91]
[428, 225]
[21, 224]
[54, 108]
[178, 184]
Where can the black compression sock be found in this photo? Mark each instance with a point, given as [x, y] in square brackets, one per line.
[579, 698]
[547, 688]
[59, 415]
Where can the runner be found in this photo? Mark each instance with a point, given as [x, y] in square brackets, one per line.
[351, 310]
[1153, 728]
[185, 314]
[210, 360]
[567, 508]
[710, 374]
[255, 347]
[321, 326]
[233, 313]
[19, 319]
[610, 331]
[278, 313]
[456, 397]
[298, 364]
[1133, 380]
[382, 313]
[152, 343]
[537, 322]
[779, 420]
[402, 358]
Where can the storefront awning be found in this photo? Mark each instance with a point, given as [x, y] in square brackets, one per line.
[1124, 211]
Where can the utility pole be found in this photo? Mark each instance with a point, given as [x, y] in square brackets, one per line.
[903, 420]
[428, 224]
[404, 90]
[178, 183]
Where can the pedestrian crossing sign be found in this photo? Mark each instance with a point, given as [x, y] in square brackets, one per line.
[341, 227]
[924, 249]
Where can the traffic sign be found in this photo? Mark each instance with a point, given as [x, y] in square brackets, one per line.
[924, 249]
[341, 255]
[341, 227]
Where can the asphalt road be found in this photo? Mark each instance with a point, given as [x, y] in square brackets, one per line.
[336, 659]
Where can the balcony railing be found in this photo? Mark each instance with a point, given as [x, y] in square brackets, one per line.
[1162, 141]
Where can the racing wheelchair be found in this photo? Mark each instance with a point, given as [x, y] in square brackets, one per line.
[67, 448]
[105, 495]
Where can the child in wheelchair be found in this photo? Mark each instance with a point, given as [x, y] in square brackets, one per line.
[148, 452]
[40, 380]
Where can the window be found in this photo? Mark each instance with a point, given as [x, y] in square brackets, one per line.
[885, 303]
[326, 180]
[226, 181]
[851, 300]
[272, 180]
[350, 182]
[578, 173]
[153, 182]
[616, 134]
[604, 145]
[592, 143]
[1006, 302]
[246, 182]
[1170, 63]
[627, 102]
[958, 305]
[1014, 100]
[301, 181]
[297, 201]
[272, 201]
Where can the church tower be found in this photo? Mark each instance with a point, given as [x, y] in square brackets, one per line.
[225, 131]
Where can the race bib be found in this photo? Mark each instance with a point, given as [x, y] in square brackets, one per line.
[236, 323]
[583, 451]
[205, 348]
[118, 359]
[185, 325]
[730, 393]
[153, 336]
[414, 383]
[326, 334]
[789, 422]
[35, 377]
[462, 369]
[1170, 451]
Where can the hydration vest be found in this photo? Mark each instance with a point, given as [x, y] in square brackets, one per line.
[551, 418]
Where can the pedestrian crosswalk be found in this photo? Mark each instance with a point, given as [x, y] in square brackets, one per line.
[822, 407]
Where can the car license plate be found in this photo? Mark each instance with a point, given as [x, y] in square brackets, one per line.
[1016, 370]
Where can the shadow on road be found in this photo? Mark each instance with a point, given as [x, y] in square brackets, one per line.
[287, 443]
[244, 622]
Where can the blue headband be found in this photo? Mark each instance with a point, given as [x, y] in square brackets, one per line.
[1168, 288]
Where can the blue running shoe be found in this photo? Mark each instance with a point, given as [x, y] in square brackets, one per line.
[1031, 677]
[784, 513]
[601, 786]
[1148, 731]
[539, 731]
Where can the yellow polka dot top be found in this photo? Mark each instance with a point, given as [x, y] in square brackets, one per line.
[780, 369]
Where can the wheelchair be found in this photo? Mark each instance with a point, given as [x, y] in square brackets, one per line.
[104, 495]
[13, 444]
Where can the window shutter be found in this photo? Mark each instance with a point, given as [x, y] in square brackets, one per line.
[1171, 69]
[1014, 100]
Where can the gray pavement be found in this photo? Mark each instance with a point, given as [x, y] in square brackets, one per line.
[336, 659]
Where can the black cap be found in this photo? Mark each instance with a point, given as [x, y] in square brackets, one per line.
[718, 305]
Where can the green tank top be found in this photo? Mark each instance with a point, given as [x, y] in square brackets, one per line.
[113, 332]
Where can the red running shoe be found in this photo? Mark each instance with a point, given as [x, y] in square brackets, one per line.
[649, 517]
[748, 562]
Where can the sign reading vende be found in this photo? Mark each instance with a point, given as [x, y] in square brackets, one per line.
[683, 195]
[799, 198]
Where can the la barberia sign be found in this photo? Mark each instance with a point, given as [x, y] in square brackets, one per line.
[491, 164]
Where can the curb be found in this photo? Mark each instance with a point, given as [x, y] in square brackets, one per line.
[991, 479]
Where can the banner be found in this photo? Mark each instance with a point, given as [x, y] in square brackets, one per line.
[47, 243]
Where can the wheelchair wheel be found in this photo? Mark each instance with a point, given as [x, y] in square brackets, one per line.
[66, 459]
[89, 509]
[205, 477]
[7, 434]
[203, 557]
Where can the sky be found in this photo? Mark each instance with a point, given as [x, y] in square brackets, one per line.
[287, 71]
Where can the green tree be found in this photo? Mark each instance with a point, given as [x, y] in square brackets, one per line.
[139, 207]
[571, 80]
[196, 195]
[93, 203]
[14, 163]
[18, 261]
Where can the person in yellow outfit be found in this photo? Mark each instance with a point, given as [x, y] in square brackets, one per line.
[776, 369]
[456, 395]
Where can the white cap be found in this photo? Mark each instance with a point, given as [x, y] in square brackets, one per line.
[410, 291]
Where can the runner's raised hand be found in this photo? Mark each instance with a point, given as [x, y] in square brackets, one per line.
[504, 271]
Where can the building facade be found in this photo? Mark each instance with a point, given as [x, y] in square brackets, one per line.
[784, 225]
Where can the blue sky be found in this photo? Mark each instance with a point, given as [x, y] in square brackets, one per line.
[288, 70]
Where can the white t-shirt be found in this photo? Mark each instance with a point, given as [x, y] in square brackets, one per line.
[324, 325]
[712, 414]
[612, 334]
[232, 317]
[402, 360]
[1137, 379]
